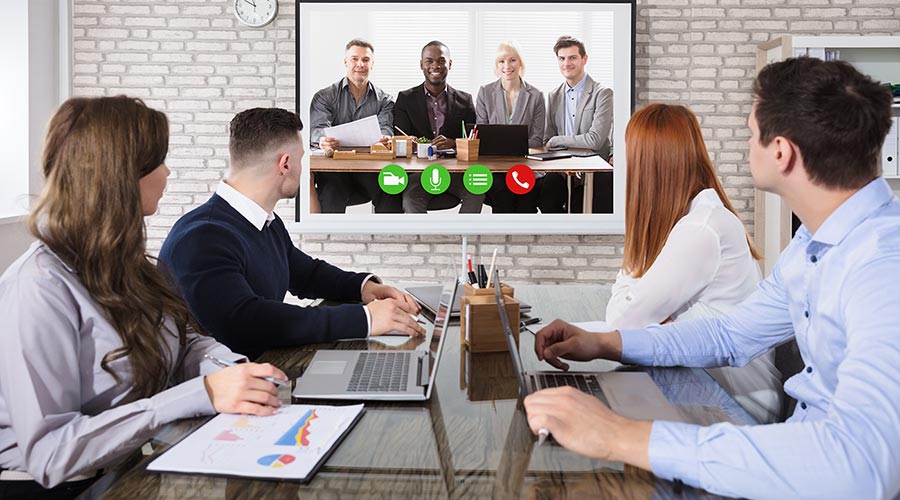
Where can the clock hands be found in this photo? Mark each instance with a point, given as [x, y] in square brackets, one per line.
[253, 3]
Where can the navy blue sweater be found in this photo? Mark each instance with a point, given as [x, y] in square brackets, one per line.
[234, 278]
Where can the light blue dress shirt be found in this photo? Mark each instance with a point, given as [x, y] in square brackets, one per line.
[838, 292]
[572, 94]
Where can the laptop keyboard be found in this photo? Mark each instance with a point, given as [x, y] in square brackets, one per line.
[584, 384]
[380, 372]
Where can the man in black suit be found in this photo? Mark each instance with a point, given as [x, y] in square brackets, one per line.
[435, 110]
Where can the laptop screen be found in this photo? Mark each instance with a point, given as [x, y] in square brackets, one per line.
[510, 339]
[441, 322]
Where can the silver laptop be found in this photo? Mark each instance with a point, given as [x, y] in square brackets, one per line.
[631, 394]
[380, 375]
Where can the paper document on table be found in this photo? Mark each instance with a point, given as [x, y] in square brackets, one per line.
[289, 445]
[591, 326]
[362, 132]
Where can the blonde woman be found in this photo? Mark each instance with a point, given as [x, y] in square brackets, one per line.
[687, 254]
[98, 350]
[510, 100]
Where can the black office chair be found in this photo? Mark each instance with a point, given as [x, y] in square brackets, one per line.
[443, 201]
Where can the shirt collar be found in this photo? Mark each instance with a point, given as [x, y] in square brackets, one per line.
[852, 212]
[578, 86]
[706, 198]
[345, 83]
[245, 206]
[428, 94]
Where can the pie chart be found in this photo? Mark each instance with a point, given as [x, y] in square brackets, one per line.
[275, 461]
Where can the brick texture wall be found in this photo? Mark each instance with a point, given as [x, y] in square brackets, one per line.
[193, 60]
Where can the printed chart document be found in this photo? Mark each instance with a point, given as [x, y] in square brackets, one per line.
[290, 445]
[362, 132]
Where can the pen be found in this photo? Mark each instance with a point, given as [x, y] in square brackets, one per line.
[225, 364]
[529, 321]
[482, 276]
[491, 272]
[543, 434]
[463, 128]
[473, 280]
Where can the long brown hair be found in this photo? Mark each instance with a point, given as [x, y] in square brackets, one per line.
[668, 165]
[90, 215]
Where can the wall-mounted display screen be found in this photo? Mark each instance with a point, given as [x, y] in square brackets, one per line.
[464, 117]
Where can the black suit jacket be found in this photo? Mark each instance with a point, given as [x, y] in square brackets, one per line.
[411, 116]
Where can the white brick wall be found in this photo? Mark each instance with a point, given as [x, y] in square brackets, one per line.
[192, 59]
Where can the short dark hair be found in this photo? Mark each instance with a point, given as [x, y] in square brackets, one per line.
[434, 43]
[836, 116]
[359, 42]
[257, 130]
[567, 41]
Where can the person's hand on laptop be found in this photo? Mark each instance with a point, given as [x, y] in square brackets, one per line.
[390, 315]
[376, 291]
[565, 340]
[582, 423]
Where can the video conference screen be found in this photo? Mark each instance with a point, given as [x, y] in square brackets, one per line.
[464, 118]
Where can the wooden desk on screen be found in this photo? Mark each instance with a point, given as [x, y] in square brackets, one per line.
[471, 440]
[589, 165]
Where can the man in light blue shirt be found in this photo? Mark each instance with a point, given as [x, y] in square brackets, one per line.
[817, 131]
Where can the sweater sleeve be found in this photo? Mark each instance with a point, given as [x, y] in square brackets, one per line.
[209, 264]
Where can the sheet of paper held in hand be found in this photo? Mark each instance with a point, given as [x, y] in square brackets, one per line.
[288, 445]
[362, 132]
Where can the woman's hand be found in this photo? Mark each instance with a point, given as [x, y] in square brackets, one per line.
[241, 389]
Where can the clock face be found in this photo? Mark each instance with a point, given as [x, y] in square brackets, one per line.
[255, 13]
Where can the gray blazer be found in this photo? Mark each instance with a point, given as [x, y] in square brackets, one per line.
[490, 108]
[593, 118]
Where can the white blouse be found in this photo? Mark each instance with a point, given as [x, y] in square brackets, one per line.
[704, 269]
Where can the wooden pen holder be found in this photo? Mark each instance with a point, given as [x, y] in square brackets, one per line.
[480, 327]
[467, 149]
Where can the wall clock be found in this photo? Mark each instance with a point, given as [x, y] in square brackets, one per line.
[256, 13]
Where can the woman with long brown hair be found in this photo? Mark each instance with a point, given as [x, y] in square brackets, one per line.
[98, 350]
[687, 254]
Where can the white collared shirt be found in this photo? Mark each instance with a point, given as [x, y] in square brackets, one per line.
[257, 216]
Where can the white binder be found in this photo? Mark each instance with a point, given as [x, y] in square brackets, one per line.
[891, 149]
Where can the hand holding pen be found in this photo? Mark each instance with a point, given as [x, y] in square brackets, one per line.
[246, 388]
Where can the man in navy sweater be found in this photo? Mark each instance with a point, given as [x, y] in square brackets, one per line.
[233, 259]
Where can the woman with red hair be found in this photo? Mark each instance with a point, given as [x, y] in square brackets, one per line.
[687, 254]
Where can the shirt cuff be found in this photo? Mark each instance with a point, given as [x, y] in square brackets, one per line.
[185, 400]
[637, 347]
[368, 321]
[673, 451]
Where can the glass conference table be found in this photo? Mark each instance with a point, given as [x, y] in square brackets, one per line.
[470, 440]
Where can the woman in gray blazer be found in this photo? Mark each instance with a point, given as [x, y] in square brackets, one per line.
[511, 101]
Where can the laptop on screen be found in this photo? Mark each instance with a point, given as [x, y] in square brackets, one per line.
[631, 394]
[380, 375]
[502, 140]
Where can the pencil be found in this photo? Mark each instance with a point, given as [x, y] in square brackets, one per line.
[491, 274]
[401, 131]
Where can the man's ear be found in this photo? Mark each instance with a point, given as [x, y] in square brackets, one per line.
[284, 164]
[786, 154]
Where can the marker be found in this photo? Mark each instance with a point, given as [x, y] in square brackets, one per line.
[529, 321]
[225, 364]
[473, 280]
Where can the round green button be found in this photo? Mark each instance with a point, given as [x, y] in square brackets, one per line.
[435, 179]
[393, 179]
[478, 179]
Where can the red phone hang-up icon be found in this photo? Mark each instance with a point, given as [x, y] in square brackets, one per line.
[520, 179]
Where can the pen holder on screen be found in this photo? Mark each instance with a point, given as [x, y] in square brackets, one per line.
[487, 376]
[480, 326]
[403, 146]
[467, 149]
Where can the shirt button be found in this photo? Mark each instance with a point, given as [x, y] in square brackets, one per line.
[813, 259]
[808, 369]
[805, 314]
[803, 405]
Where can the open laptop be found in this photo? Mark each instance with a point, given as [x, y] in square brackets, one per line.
[502, 140]
[429, 297]
[631, 394]
[380, 375]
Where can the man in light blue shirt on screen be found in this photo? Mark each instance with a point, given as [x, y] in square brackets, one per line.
[817, 132]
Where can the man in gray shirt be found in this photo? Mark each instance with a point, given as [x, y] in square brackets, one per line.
[351, 98]
[579, 115]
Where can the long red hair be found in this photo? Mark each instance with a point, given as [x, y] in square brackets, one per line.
[668, 165]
